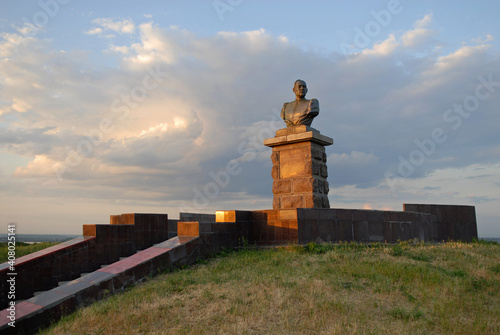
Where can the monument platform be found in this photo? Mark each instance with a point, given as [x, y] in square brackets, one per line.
[299, 168]
[110, 254]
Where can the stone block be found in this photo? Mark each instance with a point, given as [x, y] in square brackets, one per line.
[114, 219]
[274, 141]
[326, 202]
[323, 171]
[308, 200]
[302, 185]
[317, 151]
[291, 201]
[275, 172]
[318, 201]
[277, 202]
[316, 168]
[225, 216]
[275, 157]
[126, 219]
[293, 163]
[282, 187]
[188, 229]
[89, 230]
[286, 214]
[220, 216]
[229, 216]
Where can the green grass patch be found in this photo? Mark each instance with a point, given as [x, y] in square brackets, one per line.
[22, 249]
[348, 288]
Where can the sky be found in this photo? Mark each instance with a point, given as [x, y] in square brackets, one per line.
[110, 107]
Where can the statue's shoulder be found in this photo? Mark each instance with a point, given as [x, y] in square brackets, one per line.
[283, 110]
[313, 106]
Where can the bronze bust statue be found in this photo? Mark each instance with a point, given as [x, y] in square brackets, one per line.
[301, 111]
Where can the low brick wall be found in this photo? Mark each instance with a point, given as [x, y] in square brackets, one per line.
[265, 227]
[40, 311]
[334, 225]
[304, 225]
[100, 244]
[148, 228]
[455, 222]
[43, 269]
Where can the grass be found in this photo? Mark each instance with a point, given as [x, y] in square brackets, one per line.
[449, 288]
[22, 249]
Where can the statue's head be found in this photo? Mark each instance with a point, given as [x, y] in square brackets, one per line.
[300, 88]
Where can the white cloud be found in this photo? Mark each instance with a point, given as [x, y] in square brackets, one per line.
[28, 29]
[384, 48]
[122, 26]
[95, 31]
[155, 46]
[457, 58]
[424, 22]
[486, 39]
[420, 34]
[19, 105]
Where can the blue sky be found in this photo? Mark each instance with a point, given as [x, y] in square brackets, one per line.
[161, 106]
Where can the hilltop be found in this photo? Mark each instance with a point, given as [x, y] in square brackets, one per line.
[449, 288]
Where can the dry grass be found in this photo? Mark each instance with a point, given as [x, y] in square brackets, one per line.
[450, 288]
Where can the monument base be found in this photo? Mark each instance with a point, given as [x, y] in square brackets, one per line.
[299, 168]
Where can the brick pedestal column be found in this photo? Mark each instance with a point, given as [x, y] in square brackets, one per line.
[299, 168]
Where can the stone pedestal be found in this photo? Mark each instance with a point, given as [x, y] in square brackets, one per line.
[299, 168]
